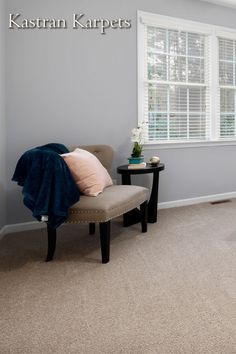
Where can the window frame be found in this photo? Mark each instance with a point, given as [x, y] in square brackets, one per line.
[212, 32]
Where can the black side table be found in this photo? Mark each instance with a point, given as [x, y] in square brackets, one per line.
[133, 217]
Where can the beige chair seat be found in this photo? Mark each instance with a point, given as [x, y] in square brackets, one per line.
[113, 202]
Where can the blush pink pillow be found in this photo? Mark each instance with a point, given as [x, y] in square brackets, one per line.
[88, 172]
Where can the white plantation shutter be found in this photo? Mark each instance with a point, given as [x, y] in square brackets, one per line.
[227, 84]
[176, 85]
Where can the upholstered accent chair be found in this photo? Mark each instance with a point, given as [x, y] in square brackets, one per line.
[114, 201]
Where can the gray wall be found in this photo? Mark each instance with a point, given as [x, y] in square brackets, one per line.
[2, 121]
[78, 87]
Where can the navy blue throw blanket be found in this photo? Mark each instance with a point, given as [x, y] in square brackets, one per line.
[48, 186]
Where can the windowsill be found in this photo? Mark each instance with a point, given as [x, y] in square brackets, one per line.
[187, 144]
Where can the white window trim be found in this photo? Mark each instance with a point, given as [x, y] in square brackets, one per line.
[146, 18]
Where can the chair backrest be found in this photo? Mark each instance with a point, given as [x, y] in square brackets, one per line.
[104, 153]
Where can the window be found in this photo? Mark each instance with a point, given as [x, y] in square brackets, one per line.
[227, 82]
[187, 80]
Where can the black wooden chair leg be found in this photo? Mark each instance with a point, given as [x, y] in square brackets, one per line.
[52, 240]
[143, 210]
[92, 227]
[105, 240]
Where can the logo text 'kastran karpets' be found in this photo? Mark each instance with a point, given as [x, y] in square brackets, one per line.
[79, 21]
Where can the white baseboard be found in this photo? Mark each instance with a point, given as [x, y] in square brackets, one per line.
[197, 200]
[35, 225]
[24, 226]
[2, 232]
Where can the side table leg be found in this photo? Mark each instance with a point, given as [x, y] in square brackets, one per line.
[126, 179]
[152, 205]
[133, 216]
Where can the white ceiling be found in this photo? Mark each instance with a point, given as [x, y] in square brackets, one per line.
[228, 3]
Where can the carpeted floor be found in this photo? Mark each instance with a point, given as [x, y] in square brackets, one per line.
[170, 291]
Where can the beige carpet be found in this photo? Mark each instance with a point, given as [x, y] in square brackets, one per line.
[172, 290]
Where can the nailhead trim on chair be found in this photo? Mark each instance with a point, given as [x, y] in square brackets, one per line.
[82, 212]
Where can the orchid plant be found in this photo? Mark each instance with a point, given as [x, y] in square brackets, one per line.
[138, 137]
